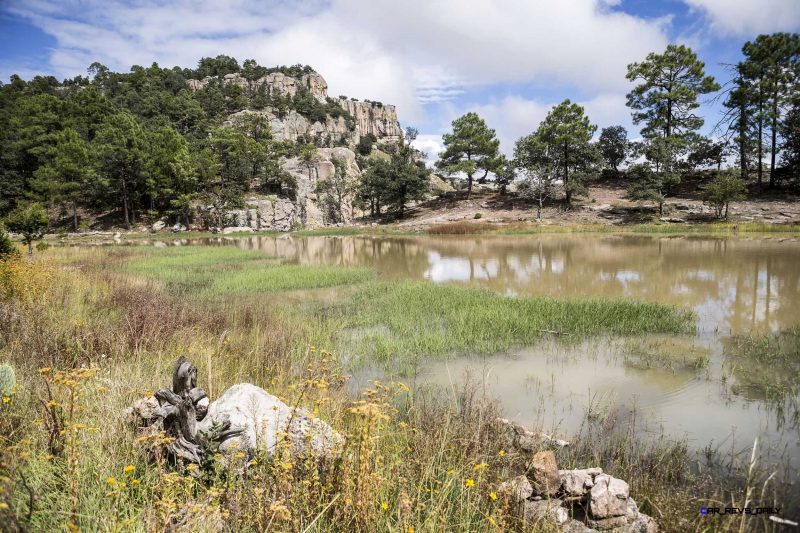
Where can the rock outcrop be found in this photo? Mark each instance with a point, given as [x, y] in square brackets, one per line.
[282, 214]
[373, 118]
[275, 83]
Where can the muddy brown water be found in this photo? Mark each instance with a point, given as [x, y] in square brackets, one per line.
[734, 285]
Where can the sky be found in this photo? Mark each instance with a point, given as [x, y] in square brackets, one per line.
[508, 60]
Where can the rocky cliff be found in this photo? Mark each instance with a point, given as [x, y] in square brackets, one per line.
[359, 119]
[373, 118]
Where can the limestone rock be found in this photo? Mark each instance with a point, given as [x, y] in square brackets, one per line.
[178, 227]
[266, 421]
[546, 511]
[576, 483]
[516, 489]
[608, 497]
[159, 225]
[543, 474]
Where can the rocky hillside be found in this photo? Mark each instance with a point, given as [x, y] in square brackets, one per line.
[357, 119]
[365, 117]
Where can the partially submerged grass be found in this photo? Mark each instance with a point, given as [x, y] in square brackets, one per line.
[766, 367]
[666, 352]
[410, 319]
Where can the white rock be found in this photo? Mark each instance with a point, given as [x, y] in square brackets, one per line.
[178, 227]
[609, 497]
[576, 483]
[159, 225]
[267, 421]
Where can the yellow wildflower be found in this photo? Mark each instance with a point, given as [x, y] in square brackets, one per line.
[493, 495]
[130, 468]
[469, 483]
[501, 453]
[410, 529]
[135, 482]
[6, 399]
[491, 521]
[111, 480]
[479, 466]
[451, 472]
[45, 370]
[384, 506]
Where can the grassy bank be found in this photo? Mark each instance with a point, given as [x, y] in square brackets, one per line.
[90, 331]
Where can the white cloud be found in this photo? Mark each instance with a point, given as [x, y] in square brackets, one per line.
[430, 145]
[749, 17]
[407, 53]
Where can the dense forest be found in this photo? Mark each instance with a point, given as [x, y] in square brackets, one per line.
[142, 144]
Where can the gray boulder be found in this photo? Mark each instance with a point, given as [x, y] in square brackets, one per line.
[608, 497]
[265, 421]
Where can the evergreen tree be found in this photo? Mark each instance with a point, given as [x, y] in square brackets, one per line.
[471, 148]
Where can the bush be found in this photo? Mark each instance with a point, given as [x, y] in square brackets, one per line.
[477, 216]
[7, 247]
[727, 187]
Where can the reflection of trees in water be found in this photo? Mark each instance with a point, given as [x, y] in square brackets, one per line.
[735, 284]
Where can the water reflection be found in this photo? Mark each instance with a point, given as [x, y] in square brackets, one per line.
[734, 285]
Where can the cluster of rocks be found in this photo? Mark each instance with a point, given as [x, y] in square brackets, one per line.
[246, 418]
[275, 83]
[574, 501]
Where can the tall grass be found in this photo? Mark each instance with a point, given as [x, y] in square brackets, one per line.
[416, 319]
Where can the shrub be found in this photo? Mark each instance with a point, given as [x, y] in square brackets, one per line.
[727, 187]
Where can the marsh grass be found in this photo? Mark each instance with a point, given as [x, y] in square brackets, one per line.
[666, 352]
[217, 271]
[409, 319]
[766, 367]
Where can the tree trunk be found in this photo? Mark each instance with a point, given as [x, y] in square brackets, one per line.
[774, 140]
[30, 248]
[75, 215]
[743, 140]
[760, 136]
[539, 209]
[567, 191]
[469, 185]
[125, 204]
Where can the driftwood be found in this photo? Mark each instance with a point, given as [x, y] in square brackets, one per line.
[178, 412]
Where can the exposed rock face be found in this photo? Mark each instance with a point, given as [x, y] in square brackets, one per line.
[282, 213]
[370, 117]
[294, 125]
[609, 497]
[377, 119]
[518, 437]
[517, 489]
[276, 83]
[245, 418]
